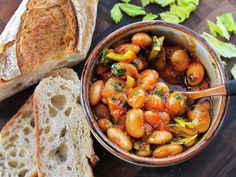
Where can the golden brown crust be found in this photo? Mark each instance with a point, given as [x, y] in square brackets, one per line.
[36, 117]
[47, 32]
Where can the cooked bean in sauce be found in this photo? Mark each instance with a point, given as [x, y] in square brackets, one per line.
[136, 100]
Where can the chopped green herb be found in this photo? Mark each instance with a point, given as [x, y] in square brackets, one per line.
[104, 60]
[179, 96]
[104, 56]
[158, 92]
[185, 140]
[119, 72]
[135, 63]
[117, 86]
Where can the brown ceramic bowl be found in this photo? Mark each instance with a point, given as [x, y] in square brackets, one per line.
[184, 37]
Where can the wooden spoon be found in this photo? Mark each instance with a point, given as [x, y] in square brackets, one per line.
[228, 89]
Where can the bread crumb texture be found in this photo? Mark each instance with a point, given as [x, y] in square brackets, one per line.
[64, 143]
[17, 144]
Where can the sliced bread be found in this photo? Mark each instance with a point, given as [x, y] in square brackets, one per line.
[63, 141]
[43, 35]
[17, 144]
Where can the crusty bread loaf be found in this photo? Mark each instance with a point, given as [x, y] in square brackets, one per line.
[63, 139]
[17, 144]
[43, 35]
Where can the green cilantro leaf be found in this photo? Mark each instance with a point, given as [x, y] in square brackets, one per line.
[233, 71]
[150, 16]
[132, 10]
[158, 92]
[118, 86]
[179, 96]
[119, 72]
[116, 14]
[104, 60]
[224, 49]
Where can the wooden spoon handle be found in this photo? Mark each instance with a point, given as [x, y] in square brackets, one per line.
[214, 91]
[231, 87]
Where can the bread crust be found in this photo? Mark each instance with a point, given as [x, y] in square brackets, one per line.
[23, 62]
[47, 32]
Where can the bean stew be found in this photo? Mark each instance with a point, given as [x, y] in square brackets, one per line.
[135, 99]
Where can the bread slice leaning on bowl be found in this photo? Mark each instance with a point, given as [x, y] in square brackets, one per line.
[63, 142]
[43, 35]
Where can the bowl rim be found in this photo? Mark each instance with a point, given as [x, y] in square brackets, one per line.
[125, 155]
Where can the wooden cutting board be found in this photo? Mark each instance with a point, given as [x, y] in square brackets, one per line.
[217, 160]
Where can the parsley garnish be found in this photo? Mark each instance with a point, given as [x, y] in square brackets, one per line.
[117, 86]
[179, 96]
[119, 72]
[158, 92]
[104, 60]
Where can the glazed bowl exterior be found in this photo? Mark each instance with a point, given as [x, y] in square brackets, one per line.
[176, 34]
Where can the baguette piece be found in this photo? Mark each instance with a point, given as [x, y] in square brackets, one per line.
[43, 35]
[17, 144]
[63, 141]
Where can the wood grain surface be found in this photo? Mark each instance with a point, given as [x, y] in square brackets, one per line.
[217, 160]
